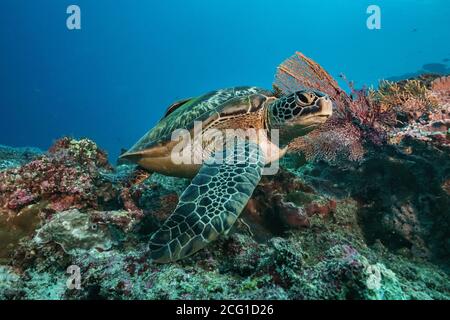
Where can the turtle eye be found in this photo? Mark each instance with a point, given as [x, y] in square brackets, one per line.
[303, 98]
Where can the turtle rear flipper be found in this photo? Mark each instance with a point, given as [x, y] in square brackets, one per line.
[211, 204]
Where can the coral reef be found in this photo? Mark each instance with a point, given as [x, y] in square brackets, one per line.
[15, 157]
[410, 99]
[365, 218]
[67, 177]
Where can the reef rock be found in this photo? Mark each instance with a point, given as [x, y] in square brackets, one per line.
[74, 230]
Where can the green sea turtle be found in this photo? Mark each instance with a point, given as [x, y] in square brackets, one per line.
[224, 180]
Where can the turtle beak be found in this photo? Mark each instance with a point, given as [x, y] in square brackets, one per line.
[326, 107]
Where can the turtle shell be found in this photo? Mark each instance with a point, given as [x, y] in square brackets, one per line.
[182, 115]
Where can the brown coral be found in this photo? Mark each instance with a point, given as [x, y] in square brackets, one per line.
[410, 98]
[441, 89]
[283, 202]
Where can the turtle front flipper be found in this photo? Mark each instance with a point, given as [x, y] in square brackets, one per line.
[211, 204]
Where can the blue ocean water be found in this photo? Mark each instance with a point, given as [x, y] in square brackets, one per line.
[112, 80]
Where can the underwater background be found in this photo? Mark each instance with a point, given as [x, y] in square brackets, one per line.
[358, 210]
[112, 80]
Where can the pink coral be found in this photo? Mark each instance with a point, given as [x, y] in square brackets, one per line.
[68, 177]
[334, 143]
[20, 198]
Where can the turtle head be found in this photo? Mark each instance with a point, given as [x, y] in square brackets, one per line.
[299, 113]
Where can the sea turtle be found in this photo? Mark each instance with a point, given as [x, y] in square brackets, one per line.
[219, 190]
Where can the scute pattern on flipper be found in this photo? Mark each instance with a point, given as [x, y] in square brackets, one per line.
[211, 203]
[197, 109]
